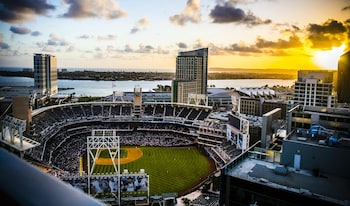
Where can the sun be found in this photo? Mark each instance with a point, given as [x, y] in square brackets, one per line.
[329, 59]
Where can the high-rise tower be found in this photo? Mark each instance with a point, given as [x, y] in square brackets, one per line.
[45, 73]
[191, 75]
[343, 87]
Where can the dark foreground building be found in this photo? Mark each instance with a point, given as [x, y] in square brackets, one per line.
[250, 179]
[343, 78]
[309, 169]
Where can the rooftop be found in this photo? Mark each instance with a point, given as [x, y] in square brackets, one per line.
[330, 188]
[253, 91]
[319, 135]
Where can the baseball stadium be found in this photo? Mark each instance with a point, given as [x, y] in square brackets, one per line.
[156, 151]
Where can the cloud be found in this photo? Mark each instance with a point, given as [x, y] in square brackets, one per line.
[128, 48]
[99, 55]
[19, 30]
[140, 23]
[110, 49]
[143, 22]
[191, 13]
[142, 49]
[70, 49]
[293, 42]
[57, 41]
[4, 45]
[228, 13]
[107, 9]
[279, 47]
[84, 36]
[160, 50]
[35, 33]
[242, 48]
[48, 49]
[22, 10]
[40, 44]
[149, 47]
[182, 45]
[329, 27]
[134, 30]
[346, 8]
[331, 33]
[45, 47]
[108, 37]
[53, 41]
[199, 44]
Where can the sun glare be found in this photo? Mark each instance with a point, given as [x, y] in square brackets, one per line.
[329, 59]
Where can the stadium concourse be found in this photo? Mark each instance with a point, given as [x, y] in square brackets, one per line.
[62, 131]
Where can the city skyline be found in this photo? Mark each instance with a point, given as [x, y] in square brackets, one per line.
[119, 34]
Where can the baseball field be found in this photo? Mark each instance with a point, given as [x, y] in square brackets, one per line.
[170, 169]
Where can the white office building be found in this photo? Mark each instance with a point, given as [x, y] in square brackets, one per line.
[315, 88]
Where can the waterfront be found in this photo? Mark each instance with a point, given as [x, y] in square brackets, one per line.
[105, 88]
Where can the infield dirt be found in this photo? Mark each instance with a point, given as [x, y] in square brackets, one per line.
[132, 155]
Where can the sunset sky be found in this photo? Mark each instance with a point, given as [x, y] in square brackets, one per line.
[148, 34]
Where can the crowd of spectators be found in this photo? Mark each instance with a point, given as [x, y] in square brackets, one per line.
[64, 149]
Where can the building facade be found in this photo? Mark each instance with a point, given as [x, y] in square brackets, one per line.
[191, 75]
[332, 118]
[343, 86]
[45, 74]
[301, 170]
[315, 88]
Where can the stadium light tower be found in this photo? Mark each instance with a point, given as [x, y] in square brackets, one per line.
[100, 140]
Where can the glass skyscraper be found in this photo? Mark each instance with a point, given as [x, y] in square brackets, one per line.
[45, 74]
[191, 75]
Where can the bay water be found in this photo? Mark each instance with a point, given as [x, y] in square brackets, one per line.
[105, 88]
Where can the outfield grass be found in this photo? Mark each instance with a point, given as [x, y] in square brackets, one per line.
[170, 169]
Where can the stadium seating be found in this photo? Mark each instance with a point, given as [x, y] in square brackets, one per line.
[61, 127]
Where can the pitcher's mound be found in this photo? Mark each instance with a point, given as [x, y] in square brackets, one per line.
[133, 154]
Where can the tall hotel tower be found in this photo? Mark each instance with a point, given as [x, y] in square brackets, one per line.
[343, 87]
[45, 74]
[191, 75]
[315, 88]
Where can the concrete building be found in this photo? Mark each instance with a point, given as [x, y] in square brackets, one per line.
[191, 75]
[251, 179]
[343, 86]
[21, 108]
[307, 168]
[254, 103]
[258, 107]
[332, 118]
[45, 74]
[315, 88]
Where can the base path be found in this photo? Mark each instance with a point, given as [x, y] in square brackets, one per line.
[132, 155]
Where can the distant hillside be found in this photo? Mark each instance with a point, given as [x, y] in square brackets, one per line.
[214, 73]
[236, 73]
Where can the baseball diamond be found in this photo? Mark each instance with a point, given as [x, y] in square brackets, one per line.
[174, 144]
